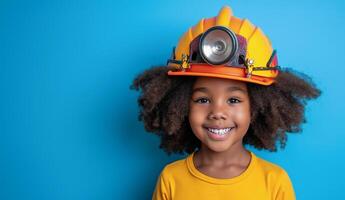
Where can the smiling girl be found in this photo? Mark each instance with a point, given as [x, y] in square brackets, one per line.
[223, 89]
[219, 117]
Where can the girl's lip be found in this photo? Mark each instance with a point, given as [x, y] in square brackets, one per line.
[217, 127]
[217, 137]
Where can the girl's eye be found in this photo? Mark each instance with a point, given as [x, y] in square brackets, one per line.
[233, 100]
[202, 100]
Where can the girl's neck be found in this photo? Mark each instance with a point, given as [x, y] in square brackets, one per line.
[236, 155]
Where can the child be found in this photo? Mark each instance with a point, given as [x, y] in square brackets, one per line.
[223, 89]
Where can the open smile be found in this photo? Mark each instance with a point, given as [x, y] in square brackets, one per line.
[218, 133]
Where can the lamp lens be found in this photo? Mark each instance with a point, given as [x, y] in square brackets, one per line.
[218, 46]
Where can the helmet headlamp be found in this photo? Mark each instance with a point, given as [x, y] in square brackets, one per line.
[218, 45]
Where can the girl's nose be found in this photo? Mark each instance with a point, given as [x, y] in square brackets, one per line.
[217, 116]
[217, 112]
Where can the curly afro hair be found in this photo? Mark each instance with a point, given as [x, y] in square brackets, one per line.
[164, 108]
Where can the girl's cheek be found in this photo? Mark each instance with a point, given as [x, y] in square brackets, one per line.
[197, 114]
[242, 115]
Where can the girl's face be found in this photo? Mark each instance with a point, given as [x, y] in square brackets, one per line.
[219, 112]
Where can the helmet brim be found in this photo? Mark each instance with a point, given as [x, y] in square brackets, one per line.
[233, 73]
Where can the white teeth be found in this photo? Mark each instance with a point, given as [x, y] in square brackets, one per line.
[219, 131]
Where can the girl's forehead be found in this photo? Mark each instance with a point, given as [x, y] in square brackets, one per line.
[218, 86]
[210, 82]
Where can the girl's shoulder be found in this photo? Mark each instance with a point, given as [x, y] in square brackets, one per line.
[268, 165]
[177, 169]
[174, 167]
[270, 169]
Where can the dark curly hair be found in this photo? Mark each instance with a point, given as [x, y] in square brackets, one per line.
[275, 110]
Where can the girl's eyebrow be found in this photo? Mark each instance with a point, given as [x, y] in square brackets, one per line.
[230, 89]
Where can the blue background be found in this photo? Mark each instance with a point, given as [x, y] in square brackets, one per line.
[68, 121]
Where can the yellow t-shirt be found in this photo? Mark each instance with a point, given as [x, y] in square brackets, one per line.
[262, 180]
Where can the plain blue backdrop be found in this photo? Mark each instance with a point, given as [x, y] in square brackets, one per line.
[68, 121]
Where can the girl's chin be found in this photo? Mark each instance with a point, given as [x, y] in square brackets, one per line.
[218, 148]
